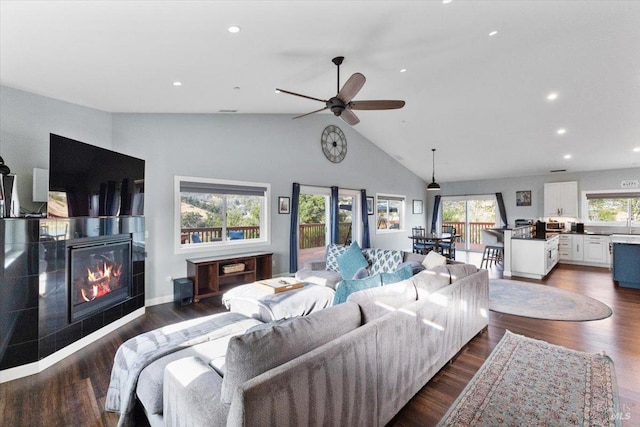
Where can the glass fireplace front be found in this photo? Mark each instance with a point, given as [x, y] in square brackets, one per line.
[99, 274]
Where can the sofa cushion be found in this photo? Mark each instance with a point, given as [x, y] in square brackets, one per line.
[386, 260]
[256, 352]
[399, 275]
[347, 287]
[327, 278]
[149, 388]
[351, 261]
[458, 271]
[376, 302]
[333, 252]
[433, 259]
[430, 281]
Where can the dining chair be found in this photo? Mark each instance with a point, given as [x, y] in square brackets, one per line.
[448, 246]
[421, 245]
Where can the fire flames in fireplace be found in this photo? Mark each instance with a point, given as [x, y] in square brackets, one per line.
[99, 275]
[100, 281]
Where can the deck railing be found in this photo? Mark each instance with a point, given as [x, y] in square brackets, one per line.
[475, 230]
[313, 235]
[213, 234]
[310, 235]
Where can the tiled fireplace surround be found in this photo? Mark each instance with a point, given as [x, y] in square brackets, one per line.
[34, 313]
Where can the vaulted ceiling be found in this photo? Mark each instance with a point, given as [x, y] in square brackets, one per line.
[480, 98]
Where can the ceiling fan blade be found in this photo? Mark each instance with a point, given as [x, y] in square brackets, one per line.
[350, 117]
[382, 104]
[302, 96]
[351, 87]
[306, 114]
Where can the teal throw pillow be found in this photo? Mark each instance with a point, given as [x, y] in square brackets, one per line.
[351, 261]
[347, 287]
[399, 275]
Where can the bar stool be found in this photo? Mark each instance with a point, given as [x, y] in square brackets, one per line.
[493, 248]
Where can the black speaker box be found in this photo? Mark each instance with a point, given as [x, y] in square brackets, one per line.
[182, 291]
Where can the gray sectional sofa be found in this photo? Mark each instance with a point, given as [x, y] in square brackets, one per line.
[356, 363]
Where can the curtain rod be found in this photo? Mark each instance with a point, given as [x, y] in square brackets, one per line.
[324, 186]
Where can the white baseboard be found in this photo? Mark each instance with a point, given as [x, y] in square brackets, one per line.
[39, 366]
[159, 300]
[169, 298]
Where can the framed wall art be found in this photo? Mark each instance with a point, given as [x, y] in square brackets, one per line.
[417, 206]
[523, 198]
[370, 205]
[284, 205]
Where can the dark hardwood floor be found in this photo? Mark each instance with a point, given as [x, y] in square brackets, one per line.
[72, 392]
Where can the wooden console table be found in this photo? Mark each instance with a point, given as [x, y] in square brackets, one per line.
[210, 279]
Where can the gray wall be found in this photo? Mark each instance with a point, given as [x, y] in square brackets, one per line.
[264, 148]
[587, 181]
[26, 120]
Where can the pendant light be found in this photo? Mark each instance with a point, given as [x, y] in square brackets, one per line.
[434, 186]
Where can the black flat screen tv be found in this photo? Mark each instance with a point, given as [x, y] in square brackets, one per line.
[85, 180]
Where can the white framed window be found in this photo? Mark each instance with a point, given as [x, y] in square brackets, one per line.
[215, 214]
[390, 210]
[611, 208]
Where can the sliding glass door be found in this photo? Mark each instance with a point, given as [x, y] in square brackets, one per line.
[469, 215]
[314, 220]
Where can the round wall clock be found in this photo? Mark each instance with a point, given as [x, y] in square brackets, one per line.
[334, 144]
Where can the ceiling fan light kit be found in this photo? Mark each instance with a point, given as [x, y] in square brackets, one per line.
[341, 104]
[433, 186]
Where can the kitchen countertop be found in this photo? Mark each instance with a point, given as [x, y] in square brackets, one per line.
[586, 233]
[533, 238]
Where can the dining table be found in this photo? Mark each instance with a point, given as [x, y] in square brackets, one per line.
[433, 239]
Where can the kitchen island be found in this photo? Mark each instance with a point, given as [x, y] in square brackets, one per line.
[526, 256]
[534, 258]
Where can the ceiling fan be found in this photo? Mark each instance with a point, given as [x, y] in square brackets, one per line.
[342, 104]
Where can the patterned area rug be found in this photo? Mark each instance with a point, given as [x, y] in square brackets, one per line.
[543, 302]
[526, 382]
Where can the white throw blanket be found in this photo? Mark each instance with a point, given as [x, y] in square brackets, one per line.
[138, 352]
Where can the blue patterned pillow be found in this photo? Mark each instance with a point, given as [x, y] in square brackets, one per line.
[386, 260]
[399, 275]
[333, 251]
[351, 261]
[347, 287]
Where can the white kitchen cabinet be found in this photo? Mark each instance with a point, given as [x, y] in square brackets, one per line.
[533, 258]
[584, 249]
[565, 247]
[596, 249]
[561, 199]
[577, 248]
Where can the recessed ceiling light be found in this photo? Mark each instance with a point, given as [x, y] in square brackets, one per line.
[446, 1]
[233, 29]
[561, 131]
[636, 150]
[552, 96]
[177, 83]
[493, 33]
[404, 70]
[567, 156]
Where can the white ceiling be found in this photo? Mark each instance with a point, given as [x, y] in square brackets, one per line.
[480, 100]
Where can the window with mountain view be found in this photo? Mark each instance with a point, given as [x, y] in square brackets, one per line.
[616, 208]
[390, 213]
[216, 213]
